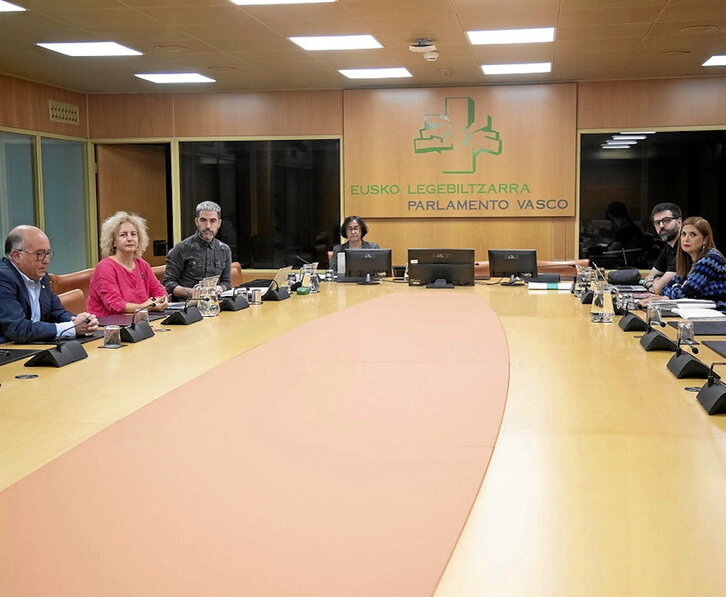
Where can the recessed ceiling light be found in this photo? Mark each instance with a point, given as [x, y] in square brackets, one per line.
[699, 29]
[175, 78]
[266, 2]
[8, 7]
[337, 42]
[375, 73]
[616, 146]
[637, 133]
[620, 142]
[676, 53]
[627, 137]
[511, 36]
[715, 61]
[523, 68]
[93, 48]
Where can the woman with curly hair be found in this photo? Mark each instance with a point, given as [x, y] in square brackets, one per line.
[123, 282]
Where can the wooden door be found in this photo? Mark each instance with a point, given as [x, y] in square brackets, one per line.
[133, 178]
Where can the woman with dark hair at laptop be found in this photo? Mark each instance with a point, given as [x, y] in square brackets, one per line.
[354, 229]
[122, 281]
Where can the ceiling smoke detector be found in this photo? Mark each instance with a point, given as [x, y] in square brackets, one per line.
[423, 45]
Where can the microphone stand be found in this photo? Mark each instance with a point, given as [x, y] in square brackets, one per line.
[682, 364]
[63, 353]
[712, 396]
[138, 330]
[186, 316]
[236, 302]
[655, 339]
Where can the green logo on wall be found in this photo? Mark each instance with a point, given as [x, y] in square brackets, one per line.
[454, 131]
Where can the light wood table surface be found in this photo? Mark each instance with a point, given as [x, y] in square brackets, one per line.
[608, 478]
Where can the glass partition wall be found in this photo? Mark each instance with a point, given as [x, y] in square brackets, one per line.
[280, 199]
[17, 181]
[43, 182]
[623, 175]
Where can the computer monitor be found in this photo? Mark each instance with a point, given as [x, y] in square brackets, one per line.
[363, 263]
[440, 268]
[513, 264]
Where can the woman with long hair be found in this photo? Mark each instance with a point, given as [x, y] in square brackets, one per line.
[700, 267]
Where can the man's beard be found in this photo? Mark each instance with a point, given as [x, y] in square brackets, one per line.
[669, 236]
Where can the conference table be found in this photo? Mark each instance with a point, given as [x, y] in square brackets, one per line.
[365, 440]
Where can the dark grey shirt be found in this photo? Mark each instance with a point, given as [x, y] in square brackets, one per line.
[666, 261]
[193, 259]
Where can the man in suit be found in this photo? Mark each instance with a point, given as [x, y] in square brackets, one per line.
[29, 309]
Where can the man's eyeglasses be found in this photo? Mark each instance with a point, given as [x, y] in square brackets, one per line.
[663, 222]
[40, 255]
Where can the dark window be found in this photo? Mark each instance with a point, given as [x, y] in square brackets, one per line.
[687, 168]
[280, 199]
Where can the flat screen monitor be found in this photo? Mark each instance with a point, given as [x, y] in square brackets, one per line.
[362, 263]
[514, 264]
[441, 268]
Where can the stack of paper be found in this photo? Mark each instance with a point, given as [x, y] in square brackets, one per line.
[697, 313]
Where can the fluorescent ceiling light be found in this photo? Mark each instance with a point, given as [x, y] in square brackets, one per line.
[175, 78]
[616, 146]
[715, 61]
[511, 36]
[267, 2]
[628, 137]
[337, 42]
[620, 142]
[8, 7]
[523, 68]
[94, 48]
[375, 73]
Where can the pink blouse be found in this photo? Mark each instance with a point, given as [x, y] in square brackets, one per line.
[112, 286]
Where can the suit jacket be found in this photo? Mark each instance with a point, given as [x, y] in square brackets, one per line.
[15, 312]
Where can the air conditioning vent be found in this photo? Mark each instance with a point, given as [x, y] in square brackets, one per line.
[62, 112]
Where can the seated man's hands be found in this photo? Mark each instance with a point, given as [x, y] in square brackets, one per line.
[85, 323]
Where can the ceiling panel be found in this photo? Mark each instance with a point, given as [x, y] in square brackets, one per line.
[595, 39]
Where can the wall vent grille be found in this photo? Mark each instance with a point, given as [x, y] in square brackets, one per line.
[62, 112]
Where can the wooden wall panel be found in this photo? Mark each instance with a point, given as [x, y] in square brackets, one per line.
[499, 151]
[132, 116]
[24, 105]
[273, 113]
[549, 236]
[652, 103]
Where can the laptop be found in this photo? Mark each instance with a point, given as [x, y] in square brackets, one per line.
[262, 284]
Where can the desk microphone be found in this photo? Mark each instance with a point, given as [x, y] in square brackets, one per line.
[62, 353]
[60, 341]
[137, 330]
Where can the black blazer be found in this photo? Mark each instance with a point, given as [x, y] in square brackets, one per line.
[15, 312]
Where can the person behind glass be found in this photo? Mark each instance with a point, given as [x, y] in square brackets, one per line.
[354, 229]
[199, 256]
[700, 267]
[667, 221]
[122, 281]
[29, 310]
